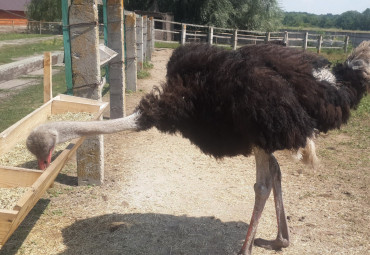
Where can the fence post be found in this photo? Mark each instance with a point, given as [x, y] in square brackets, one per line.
[319, 42]
[40, 27]
[210, 35]
[139, 43]
[153, 34]
[286, 38]
[84, 32]
[13, 25]
[305, 41]
[131, 69]
[183, 34]
[267, 38]
[235, 39]
[346, 41]
[48, 92]
[149, 38]
[145, 36]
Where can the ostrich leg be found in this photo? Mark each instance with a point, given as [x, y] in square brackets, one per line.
[282, 239]
[262, 189]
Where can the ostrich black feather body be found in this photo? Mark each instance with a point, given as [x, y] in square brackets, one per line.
[226, 102]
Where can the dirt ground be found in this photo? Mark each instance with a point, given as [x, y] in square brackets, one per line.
[163, 196]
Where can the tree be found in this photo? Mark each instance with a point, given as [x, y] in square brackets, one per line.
[45, 10]
[244, 14]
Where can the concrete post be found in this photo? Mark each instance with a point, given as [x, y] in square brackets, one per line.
[346, 41]
[139, 43]
[286, 38]
[145, 36]
[84, 30]
[131, 69]
[116, 65]
[319, 42]
[183, 34]
[235, 39]
[305, 41]
[149, 38]
[267, 38]
[210, 35]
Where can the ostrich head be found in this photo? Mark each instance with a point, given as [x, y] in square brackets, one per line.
[41, 143]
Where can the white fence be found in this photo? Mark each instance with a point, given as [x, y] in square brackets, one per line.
[183, 33]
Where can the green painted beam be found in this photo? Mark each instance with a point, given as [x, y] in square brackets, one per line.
[105, 21]
[67, 47]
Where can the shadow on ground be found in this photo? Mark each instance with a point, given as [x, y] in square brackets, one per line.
[136, 234]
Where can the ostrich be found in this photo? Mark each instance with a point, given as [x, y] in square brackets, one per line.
[257, 99]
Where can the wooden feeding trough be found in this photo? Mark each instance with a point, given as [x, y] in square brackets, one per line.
[36, 181]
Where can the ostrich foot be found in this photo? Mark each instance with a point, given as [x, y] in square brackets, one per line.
[276, 244]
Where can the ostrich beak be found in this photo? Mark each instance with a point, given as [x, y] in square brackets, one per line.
[44, 163]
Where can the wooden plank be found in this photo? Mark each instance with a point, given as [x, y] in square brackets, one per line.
[6, 219]
[11, 219]
[20, 130]
[11, 177]
[75, 99]
[59, 107]
[28, 201]
[48, 92]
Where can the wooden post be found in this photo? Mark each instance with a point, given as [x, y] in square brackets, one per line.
[139, 43]
[286, 38]
[145, 36]
[305, 41]
[131, 69]
[116, 65]
[210, 35]
[149, 38]
[267, 38]
[13, 25]
[346, 41]
[235, 39]
[40, 27]
[84, 32]
[319, 42]
[48, 91]
[183, 34]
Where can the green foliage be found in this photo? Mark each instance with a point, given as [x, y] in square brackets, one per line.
[350, 20]
[144, 72]
[45, 10]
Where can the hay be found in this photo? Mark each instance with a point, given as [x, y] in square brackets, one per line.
[21, 157]
[10, 196]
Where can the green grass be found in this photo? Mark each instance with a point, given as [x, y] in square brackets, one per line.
[13, 36]
[166, 45]
[144, 73]
[18, 105]
[8, 53]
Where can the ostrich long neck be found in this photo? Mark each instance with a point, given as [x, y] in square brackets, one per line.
[73, 129]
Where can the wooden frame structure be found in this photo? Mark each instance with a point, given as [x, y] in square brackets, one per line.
[38, 181]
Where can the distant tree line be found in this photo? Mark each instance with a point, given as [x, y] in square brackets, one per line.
[264, 15]
[350, 20]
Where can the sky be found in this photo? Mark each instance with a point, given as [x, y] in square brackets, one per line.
[324, 6]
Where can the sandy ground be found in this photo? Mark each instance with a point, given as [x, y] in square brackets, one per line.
[163, 196]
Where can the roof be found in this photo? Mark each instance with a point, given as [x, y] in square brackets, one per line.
[11, 5]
